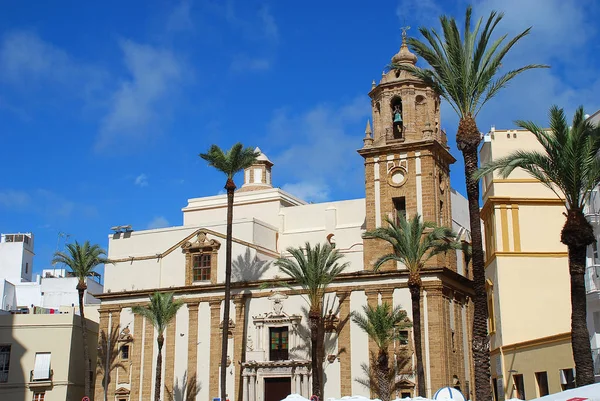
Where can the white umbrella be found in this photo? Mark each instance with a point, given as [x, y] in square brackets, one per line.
[585, 393]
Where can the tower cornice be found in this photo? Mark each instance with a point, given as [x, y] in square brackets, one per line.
[431, 145]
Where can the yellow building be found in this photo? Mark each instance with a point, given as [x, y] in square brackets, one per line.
[527, 278]
[41, 357]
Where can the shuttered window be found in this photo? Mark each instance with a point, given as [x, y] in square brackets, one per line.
[41, 370]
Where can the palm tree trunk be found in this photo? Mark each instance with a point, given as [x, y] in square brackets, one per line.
[468, 138]
[230, 187]
[86, 350]
[383, 376]
[577, 234]
[415, 296]
[316, 356]
[160, 340]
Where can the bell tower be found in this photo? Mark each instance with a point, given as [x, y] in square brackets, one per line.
[407, 160]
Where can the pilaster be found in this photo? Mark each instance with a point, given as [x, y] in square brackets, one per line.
[136, 355]
[102, 326]
[215, 349]
[239, 345]
[170, 357]
[192, 341]
[115, 320]
[344, 343]
[147, 376]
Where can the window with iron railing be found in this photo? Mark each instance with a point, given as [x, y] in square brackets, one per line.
[278, 350]
[41, 370]
[4, 362]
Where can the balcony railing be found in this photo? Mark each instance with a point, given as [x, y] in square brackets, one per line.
[596, 358]
[593, 218]
[40, 378]
[592, 278]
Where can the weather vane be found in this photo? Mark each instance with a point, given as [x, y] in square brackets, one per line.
[404, 29]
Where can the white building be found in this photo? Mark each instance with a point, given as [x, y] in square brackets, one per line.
[592, 212]
[52, 291]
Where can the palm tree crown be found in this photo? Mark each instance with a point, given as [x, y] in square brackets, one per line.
[568, 165]
[463, 69]
[414, 242]
[81, 259]
[313, 268]
[382, 323]
[161, 310]
[235, 159]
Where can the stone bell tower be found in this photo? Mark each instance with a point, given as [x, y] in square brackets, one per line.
[407, 161]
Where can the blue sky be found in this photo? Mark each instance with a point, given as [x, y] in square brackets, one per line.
[104, 106]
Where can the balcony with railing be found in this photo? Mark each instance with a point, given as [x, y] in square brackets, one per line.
[596, 358]
[592, 278]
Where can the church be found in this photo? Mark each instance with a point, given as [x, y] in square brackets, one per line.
[407, 166]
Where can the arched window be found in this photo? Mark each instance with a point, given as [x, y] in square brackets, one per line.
[397, 118]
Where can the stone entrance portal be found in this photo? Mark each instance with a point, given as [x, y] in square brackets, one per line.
[277, 388]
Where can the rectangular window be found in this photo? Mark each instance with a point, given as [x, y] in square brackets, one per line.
[519, 386]
[441, 212]
[201, 267]
[124, 352]
[41, 370]
[404, 394]
[4, 362]
[490, 304]
[451, 310]
[567, 379]
[597, 322]
[39, 396]
[278, 350]
[495, 384]
[403, 337]
[26, 267]
[595, 255]
[399, 209]
[542, 383]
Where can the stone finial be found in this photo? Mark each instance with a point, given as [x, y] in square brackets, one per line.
[373, 84]
[368, 139]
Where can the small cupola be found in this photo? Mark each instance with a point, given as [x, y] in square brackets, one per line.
[258, 175]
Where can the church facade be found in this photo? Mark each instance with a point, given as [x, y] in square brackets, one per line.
[407, 166]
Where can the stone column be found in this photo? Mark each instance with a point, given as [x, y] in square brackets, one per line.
[239, 345]
[136, 355]
[245, 388]
[115, 320]
[305, 388]
[297, 388]
[215, 349]
[103, 326]
[147, 374]
[192, 363]
[169, 357]
[252, 390]
[344, 343]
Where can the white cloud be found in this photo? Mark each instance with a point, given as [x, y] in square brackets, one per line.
[26, 61]
[158, 222]
[46, 203]
[139, 101]
[243, 63]
[269, 26]
[308, 191]
[323, 140]
[11, 199]
[141, 180]
[180, 18]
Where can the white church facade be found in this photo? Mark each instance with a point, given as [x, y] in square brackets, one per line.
[406, 171]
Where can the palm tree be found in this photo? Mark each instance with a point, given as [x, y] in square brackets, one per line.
[161, 310]
[414, 242]
[108, 357]
[313, 269]
[82, 260]
[383, 325]
[234, 160]
[569, 166]
[464, 71]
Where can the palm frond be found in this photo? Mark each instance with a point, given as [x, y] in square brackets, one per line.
[313, 268]
[161, 310]
[235, 159]
[81, 259]
[567, 163]
[462, 69]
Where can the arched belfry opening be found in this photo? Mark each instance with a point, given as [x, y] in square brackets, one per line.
[397, 118]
